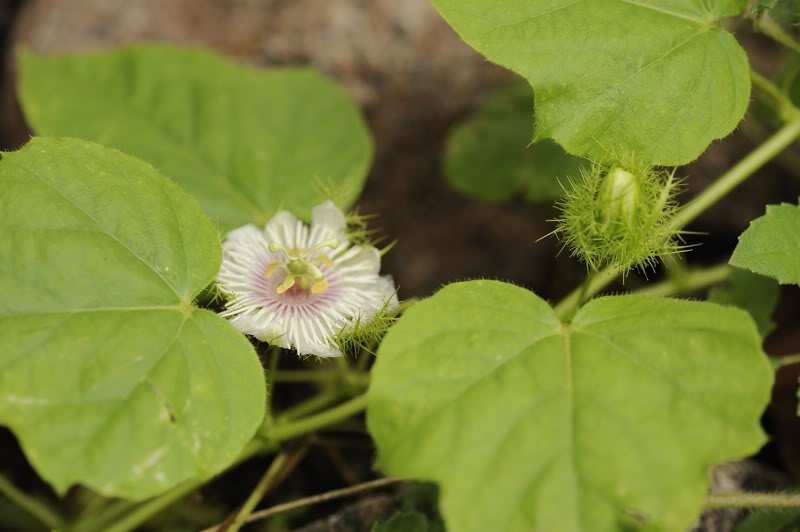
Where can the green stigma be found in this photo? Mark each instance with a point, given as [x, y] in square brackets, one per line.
[302, 267]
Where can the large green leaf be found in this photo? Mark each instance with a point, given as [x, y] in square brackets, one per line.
[108, 375]
[754, 293]
[490, 155]
[771, 245]
[528, 423]
[245, 142]
[659, 78]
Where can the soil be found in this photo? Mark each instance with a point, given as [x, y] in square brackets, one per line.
[414, 80]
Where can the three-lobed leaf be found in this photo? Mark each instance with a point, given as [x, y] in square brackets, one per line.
[771, 245]
[245, 142]
[109, 377]
[528, 423]
[656, 78]
[490, 155]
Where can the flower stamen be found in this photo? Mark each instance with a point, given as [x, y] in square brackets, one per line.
[302, 266]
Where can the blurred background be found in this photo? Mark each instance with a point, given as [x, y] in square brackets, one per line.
[414, 80]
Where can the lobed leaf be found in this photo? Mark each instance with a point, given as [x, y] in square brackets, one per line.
[610, 422]
[109, 376]
[657, 78]
[490, 155]
[771, 245]
[245, 142]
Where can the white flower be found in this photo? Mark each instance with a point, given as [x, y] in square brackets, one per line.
[297, 287]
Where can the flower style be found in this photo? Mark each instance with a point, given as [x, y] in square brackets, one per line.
[298, 286]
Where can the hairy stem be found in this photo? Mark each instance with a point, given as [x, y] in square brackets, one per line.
[688, 282]
[583, 294]
[35, 507]
[727, 182]
[321, 376]
[309, 406]
[736, 175]
[766, 25]
[292, 429]
[753, 500]
[307, 375]
[784, 105]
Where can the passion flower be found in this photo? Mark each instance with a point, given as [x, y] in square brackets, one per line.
[300, 287]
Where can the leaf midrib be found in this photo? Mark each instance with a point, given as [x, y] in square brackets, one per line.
[667, 12]
[100, 227]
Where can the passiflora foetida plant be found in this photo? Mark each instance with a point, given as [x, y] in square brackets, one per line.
[181, 226]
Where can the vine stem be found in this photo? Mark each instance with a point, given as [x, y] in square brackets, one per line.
[753, 500]
[766, 25]
[736, 175]
[320, 376]
[35, 507]
[274, 362]
[788, 360]
[583, 294]
[287, 431]
[309, 406]
[317, 499]
[727, 182]
[277, 470]
[689, 281]
[785, 106]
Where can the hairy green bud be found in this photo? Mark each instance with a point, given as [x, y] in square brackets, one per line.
[620, 195]
[619, 215]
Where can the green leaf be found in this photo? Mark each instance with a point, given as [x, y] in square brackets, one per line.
[109, 376]
[588, 426]
[403, 521]
[658, 78]
[771, 245]
[245, 142]
[754, 293]
[490, 155]
[770, 521]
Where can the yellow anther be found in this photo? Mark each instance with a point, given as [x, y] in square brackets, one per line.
[320, 286]
[271, 269]
[315, 272]
[332, 244]
[302, 266]
[286, 284]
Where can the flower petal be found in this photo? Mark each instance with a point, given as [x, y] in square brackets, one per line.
[329, 215]
[285, 229]
[266, 330]
[388, 292]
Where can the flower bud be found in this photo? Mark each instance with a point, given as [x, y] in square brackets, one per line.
[620, 194]
[619, 216]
